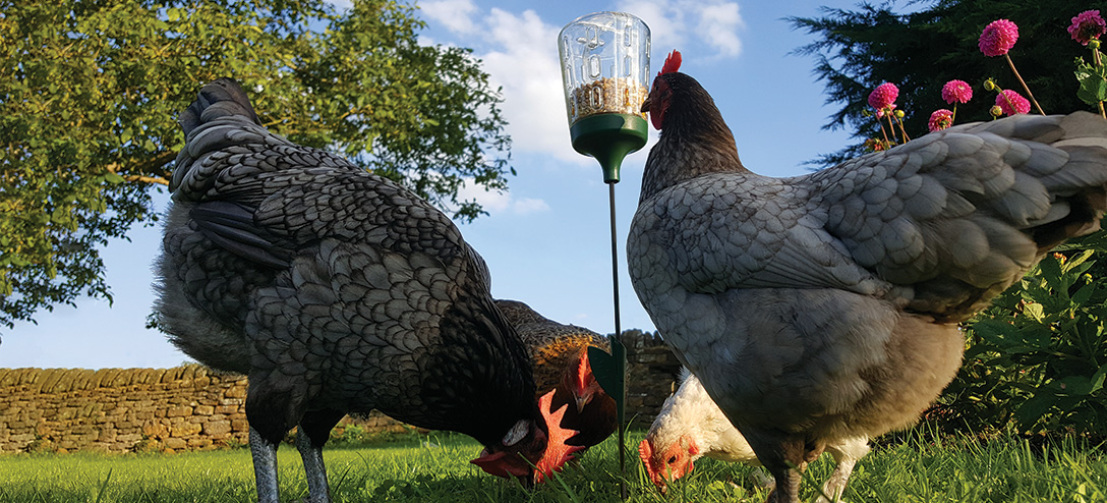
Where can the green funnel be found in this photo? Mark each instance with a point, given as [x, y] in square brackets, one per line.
[609, 138]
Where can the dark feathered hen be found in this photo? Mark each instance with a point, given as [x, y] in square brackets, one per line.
[560, 357]
[825, 306]
[335, 291]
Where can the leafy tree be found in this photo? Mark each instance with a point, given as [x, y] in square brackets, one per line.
[920, 51]
[90, 90]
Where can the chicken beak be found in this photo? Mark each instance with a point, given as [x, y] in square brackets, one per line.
[581, 401]
[645, 106]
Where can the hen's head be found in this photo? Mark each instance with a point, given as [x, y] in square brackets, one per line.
[686, 429]
[528, 446]
[677, 103]
[660, 97]
[666, 463]
[579, 379]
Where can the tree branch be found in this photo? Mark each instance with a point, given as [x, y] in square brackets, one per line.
[145, 167]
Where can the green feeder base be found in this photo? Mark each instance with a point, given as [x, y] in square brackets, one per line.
[609, 138]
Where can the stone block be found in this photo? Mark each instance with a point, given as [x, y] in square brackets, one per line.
[184, 429]
[216, 428]
[240, 424]
[178, 411]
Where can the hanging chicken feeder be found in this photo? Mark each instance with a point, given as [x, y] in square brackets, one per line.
[605, 65]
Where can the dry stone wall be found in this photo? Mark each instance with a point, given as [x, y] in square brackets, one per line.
[195, 408]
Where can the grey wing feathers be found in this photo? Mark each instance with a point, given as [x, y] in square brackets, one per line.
[967, 211]
[231, 226]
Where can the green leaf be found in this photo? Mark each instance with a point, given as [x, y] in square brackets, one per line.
[1034, 311]
[1093, 84]
[610, 371]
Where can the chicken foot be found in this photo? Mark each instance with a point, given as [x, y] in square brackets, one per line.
[846, 455]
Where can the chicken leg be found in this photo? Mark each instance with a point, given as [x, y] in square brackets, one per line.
[786, 457]
[264, 454]
[846, 455]
[312, 434]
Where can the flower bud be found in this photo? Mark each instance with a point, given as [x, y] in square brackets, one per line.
[996, 111]
[1093, 44]
[900, 114]
[989, 85]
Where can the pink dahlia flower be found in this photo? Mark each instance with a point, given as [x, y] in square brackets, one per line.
[1012, 103]
[1086, 26]
[940, 119]
[957, 91]
[998, 37]
[883, 96]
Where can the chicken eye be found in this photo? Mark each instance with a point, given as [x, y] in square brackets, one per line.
[672, 459]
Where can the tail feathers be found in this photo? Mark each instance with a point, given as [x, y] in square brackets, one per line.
[1081, 184]
[221, 98]
[205, 133]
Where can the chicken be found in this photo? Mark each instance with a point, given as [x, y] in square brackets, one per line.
[691, 426]
[560, 357]
[336, 291]
[826, 306]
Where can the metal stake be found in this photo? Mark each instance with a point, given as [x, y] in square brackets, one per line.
[618, 336]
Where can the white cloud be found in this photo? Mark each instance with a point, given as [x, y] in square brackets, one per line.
[455, 15]
[666, 24]
[494, 201]
[524, 61]
[719, 25]
[714, 23]
[525, 205]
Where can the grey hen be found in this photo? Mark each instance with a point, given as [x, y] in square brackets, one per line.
[826, 306]
[335, 291]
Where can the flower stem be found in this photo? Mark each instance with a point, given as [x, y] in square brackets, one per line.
[902, 130]
[1024, 86]
[883, 131]
[890, 126]
[1098, 63]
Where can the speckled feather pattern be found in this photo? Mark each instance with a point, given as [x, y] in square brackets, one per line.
[552, 345]
[333, 288]
[825, 306]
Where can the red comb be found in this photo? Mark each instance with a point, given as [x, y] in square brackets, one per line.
[645, 450]
[557, 451]
[672, 63]
[584, 368]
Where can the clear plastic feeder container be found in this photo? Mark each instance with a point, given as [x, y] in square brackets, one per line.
[605, 62]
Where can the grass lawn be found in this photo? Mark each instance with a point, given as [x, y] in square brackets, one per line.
[435, 467]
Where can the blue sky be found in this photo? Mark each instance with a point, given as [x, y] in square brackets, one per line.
[547, 240]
